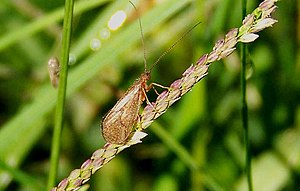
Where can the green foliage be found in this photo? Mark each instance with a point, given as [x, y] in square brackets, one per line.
[203, 129]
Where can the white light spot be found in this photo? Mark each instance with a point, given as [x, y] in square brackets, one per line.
[116, 20]
[95, 44]
[72, 59]
[104, 34]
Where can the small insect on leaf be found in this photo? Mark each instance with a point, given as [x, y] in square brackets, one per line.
[118, 123]
[54, 69]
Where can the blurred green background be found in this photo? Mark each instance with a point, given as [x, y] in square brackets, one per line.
[104, 63]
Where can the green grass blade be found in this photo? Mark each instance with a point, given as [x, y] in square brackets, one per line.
[21, 177]
[44, 22]
[184, 156]
[245, 106]
[62, 88]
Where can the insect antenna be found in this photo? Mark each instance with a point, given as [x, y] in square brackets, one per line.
[173, 45]
[142, 35]
[167, 51]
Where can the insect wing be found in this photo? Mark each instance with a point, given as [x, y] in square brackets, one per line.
[119, 121]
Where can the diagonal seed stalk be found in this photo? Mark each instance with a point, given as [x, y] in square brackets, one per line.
[258, 20]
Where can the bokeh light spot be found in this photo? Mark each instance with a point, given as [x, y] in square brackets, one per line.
[116, 20]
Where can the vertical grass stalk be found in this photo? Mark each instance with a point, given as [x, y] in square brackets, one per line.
[59, 115]
[244, 106]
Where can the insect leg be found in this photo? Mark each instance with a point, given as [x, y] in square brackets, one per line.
[145, 95]
[153, 84]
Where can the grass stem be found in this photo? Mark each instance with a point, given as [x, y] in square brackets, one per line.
[185, 157]
[245, 107]
[59, 115]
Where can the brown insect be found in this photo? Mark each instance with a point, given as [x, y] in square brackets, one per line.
[54, 69]
[118, 122]
[117, 125]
